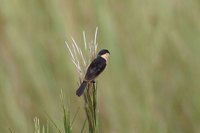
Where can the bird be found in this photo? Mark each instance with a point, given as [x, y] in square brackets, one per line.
[95, 68]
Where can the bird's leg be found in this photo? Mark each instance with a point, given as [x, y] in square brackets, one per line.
[93, 83]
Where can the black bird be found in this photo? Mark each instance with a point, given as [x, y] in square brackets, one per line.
[95, 68]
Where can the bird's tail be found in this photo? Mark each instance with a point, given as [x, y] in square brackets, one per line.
[81, 88]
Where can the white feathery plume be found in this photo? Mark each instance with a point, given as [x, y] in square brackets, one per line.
[82, 59]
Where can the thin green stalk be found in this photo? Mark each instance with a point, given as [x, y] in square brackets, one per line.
[90, 98]
[10, 130]
[83, 125]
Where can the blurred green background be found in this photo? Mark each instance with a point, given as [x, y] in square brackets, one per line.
[152, 82]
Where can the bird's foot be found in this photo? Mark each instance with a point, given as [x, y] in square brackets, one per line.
[93, 81]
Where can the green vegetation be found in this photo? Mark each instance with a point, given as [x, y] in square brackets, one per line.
[151, 84]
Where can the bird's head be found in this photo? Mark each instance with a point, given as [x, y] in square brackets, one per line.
[104, 53]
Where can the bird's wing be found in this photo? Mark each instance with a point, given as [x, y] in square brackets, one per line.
[95, 68]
